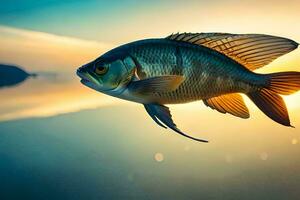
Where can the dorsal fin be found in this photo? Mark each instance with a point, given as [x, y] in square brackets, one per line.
[250, 50]
[230, 103]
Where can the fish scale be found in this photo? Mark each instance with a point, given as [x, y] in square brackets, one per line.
[202, 68]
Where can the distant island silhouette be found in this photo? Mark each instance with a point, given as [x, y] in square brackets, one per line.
[11, 76]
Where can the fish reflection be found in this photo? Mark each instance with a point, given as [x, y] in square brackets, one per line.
[12, 75]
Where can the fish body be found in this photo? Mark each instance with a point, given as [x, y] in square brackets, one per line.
[207, 73]
[213, 67]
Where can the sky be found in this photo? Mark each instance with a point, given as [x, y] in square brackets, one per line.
[50, 125]
[122, 21]
[33, 35]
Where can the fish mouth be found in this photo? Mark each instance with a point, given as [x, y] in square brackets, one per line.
[89, 80]
[84, 78]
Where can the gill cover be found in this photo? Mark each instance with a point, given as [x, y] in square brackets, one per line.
[114, 74]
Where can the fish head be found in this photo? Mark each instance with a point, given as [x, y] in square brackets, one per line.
[106, 75]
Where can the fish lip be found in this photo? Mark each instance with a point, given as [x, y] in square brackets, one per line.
[87, 82]
[84, 80]
[82, 76]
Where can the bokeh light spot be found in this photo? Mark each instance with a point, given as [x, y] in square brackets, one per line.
[159, 157]
[294, 141]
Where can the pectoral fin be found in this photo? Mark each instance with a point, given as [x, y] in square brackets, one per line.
[162, 116]
[156, 84]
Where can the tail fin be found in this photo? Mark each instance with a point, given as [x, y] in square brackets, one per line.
[284, 83]
[268, 99]
[272, 105]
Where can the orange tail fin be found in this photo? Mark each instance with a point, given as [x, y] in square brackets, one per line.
[284, 83]
[268, 99]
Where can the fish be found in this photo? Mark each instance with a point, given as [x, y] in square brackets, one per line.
[11, 75]
[184, 67]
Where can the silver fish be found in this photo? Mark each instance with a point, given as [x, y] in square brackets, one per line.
[185, 67]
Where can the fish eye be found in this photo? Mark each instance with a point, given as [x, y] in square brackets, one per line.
[101, 70]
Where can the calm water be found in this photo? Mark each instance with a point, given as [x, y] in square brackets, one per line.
[105, 154]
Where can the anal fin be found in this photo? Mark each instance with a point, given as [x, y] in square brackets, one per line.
[229, 103]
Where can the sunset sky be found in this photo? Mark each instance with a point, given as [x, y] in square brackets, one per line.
[33, 36]
[59, 36]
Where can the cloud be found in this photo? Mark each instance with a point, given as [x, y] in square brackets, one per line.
[38, 50]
